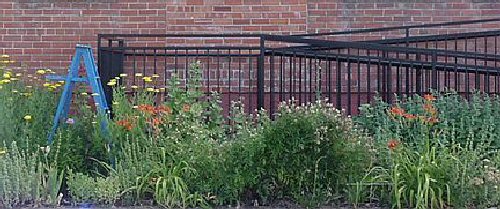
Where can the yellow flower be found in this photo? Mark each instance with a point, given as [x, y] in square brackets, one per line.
[41, 72]
[7, 75]
[157, 90]
[149, 89]
[138, 75]
[19, 74]
[84, 93]
[28, 118]
[156, 76]
[2, 152]
[6, 61]
[29, 87]
[134, 87]
[6, 81]
[111, 83]
[116, 103]
[117, 78]
[5, 56]
[162, 89]
[46, 84]
[57, 85]
[15, 91]
[123, 75]
[14, 79]
[147, 79]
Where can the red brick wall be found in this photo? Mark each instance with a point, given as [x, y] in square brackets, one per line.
[43, 33]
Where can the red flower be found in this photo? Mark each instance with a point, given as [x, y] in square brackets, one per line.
[429, 97]
[392, 144]
[397, 111]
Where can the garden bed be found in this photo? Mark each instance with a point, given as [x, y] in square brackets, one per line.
[436, 150]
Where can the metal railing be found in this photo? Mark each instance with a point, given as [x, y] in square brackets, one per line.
[262, 70]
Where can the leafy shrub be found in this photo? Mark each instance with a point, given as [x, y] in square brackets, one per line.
[309, 153]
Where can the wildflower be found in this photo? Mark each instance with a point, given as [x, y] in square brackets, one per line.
[5, 56]
[111, 83]
[70, 121]
[156, 121]
[147, 79]
[429, 97]
[95, 94]
[186, 107]
[162, 89]
[163, 110]
[430, 109]
[7, 75]
[432, 120]
[409, 116]
[149, 89]
[46, 84]
[138, 75]
[2, 152]
[6, 81]
[397, 111]
[84, 93]
[134, 87]
[126, 124]
[28, 118]
[392, 144]
[123, 75]
[147, 109]
[41, 72]
[156, 76]
[19, 74]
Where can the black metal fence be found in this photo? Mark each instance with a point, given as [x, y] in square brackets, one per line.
[346, 68]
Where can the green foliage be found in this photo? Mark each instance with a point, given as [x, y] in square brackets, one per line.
[431, 151]
[309, 153]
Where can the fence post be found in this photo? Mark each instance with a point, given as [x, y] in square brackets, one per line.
[260, 75]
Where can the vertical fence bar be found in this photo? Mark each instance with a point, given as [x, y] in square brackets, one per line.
[260, 75]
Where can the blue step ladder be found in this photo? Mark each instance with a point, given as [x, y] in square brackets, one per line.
[92, 78]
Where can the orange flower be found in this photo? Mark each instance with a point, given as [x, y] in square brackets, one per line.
[392, 144]
[146, 109]
[430, 109]
[429, 97]
[186, 107]
[397, 111]
[126, 124]
[163, 110]
[409, 116]
[432, 120]
[156, 121]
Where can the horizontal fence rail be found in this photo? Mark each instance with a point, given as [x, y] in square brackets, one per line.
[261, 71]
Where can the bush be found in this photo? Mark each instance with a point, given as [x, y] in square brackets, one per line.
[309, 153]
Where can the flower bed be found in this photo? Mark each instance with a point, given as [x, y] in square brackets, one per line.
[434, 151]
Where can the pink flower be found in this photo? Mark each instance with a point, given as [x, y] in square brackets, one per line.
[70, 121]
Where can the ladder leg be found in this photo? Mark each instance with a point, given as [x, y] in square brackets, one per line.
[65, 101]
